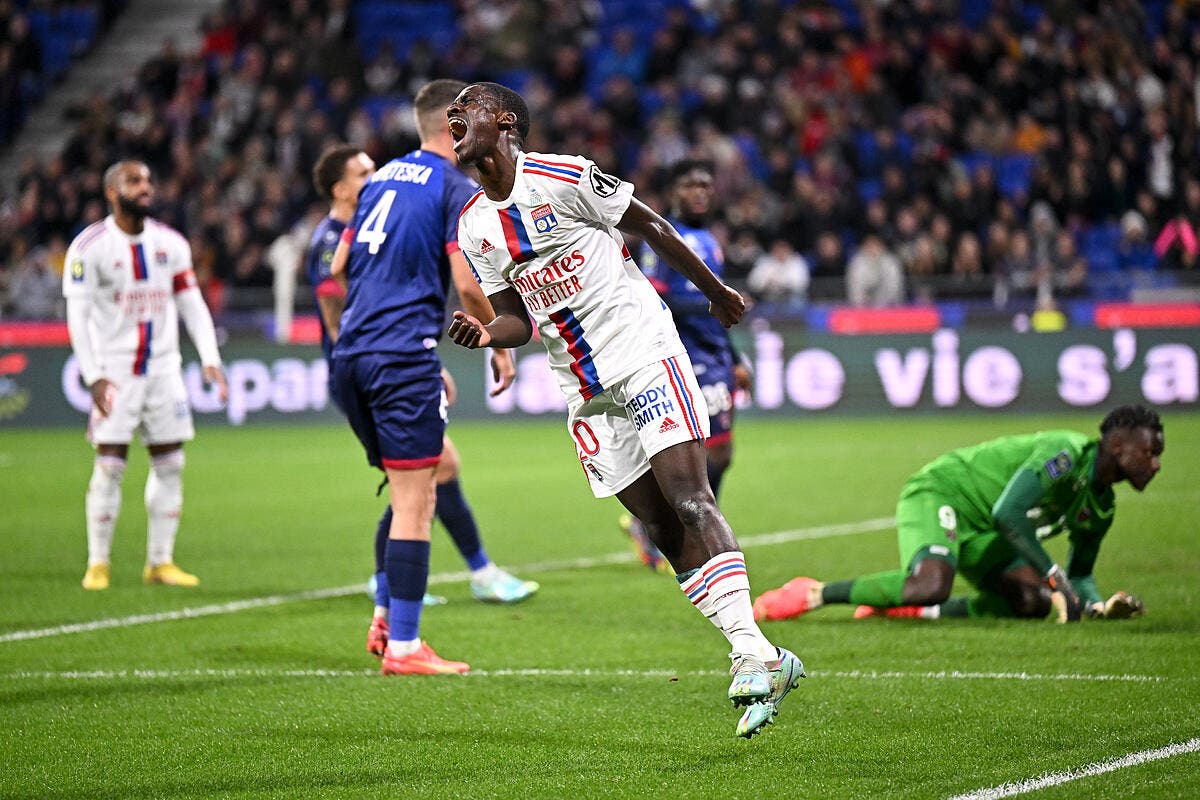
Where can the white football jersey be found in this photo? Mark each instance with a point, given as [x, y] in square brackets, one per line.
[554, 240]
[131, 282]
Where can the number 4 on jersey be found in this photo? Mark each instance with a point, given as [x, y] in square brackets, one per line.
[373, 231]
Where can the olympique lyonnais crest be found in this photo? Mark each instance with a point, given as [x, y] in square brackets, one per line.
[543, 218]
[160, 257]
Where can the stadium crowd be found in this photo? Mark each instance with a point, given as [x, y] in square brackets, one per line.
[872, 153]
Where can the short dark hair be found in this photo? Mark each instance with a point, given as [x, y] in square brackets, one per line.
[113, 173]
[1131, 418]
[429, 106]
[512, 102]
[685, 166]
[331, 167]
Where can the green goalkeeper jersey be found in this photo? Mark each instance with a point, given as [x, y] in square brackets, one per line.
[1031, 487]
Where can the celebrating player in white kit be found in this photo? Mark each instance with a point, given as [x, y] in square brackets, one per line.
[127, 281]
[544, 239]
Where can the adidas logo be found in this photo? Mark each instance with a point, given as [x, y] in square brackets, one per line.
[668, 425]
[486, 247]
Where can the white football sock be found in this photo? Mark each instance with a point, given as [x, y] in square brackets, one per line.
[398, 649]
[720, 590]
[102, 506]
[164, 503]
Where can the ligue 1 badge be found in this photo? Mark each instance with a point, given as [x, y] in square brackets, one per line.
[543, 218]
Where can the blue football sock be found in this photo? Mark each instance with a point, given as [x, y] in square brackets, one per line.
[381, 540]
[381, 590]
[455, 514]
[407, 565]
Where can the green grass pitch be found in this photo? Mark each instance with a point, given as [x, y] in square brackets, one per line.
[607, 684]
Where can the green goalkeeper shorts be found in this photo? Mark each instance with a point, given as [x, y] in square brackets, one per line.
[929, 526]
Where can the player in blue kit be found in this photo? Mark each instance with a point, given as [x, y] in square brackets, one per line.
[338, 176]
[718, 368]
[397, 256]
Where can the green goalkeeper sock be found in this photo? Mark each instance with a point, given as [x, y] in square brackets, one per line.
[882, 589]
[957, 607]
[983, 605]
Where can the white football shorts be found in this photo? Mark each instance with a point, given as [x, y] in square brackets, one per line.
[617, 431]
[156, 406]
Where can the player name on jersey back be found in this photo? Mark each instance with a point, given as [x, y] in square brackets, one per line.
[405, 172]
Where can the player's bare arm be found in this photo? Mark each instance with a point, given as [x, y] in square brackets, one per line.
[102, 390]
[477, 305]
[337, 267]
[331, 307]
[214, 374]
[726, 304]
[510, 328]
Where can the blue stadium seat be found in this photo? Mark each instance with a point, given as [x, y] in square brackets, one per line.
[1014, 174]
[1099, 246]
[975, 12]
[403, 25]
[971, 161]
[867, 150]
[870, 189]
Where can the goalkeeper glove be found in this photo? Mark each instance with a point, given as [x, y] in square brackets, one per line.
[1122, 606]
[1064, 599]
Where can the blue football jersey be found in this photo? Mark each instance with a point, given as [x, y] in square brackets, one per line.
[317, 261]
[402, 234]
[700, 331]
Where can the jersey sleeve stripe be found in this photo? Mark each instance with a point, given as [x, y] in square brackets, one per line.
[559, 177]
[90, 234]
[452, 247]
[573, 169]
[470, 203]
[515, 235]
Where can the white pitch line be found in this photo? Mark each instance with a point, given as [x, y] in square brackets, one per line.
[1091, 770]
[760, 540]
[158, 674]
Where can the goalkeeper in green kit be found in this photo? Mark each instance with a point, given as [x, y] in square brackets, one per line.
[982, 512]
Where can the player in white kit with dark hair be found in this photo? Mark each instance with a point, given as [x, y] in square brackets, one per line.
[544, 239]
[128, 280]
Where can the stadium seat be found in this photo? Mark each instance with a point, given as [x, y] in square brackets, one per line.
[1014, 174]
[975, 12]
[866, 149]
[870, 189]
[971, 161]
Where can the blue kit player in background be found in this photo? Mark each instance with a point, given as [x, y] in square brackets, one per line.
[715, 361]
[397, 257]
[338, 176]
